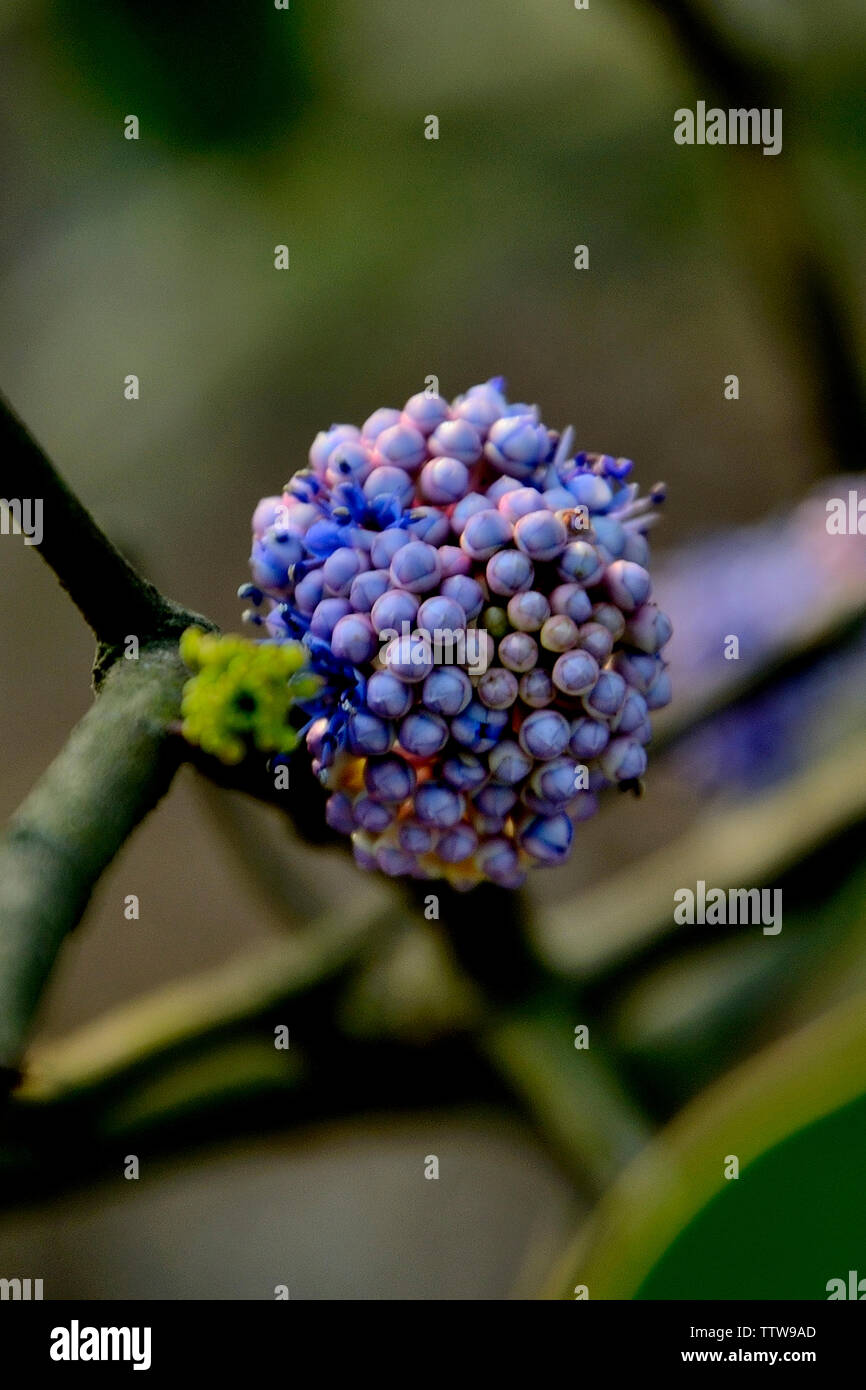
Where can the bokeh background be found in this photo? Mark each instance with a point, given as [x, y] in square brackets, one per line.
[454, 257]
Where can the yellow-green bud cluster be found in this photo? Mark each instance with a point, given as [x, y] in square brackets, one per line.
[241, 693]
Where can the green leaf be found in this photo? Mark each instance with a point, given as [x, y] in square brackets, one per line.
[673, 1226]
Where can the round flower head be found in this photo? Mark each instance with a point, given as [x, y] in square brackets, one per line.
[472, 604]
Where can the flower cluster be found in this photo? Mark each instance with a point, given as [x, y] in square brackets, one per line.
[476, 598]
[242, 693]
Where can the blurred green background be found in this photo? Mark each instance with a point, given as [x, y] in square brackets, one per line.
[409, 257]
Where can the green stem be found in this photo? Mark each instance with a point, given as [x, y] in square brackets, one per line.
[192, 1012]
[118, 761]
[113, 598]
[573, 1096]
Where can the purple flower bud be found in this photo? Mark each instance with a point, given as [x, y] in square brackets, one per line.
[416, 568]
[438, 804]
[423, 734]
[609, 538]
[301, 515]
[583, 807]
[501, 488]
[558, 499]
[393, 609]
[580, 563]
[518, 651]
[607, 695]
[571, 600]
[279, 549]
[481, 405]
[389, 779]
[265, 571]
[632, 714]
[575, 673]
[467, 506]
[326, 616]
[637, 669]
[441, 614]
[496, 798]
[276, 624]
[541, 535]
[636, 548]
[659, 693]
[353, 638]
[365, 734]
[610, 617]
[324, 537]
[393, 861]
[547, 838]
[509, 572]
[367, 587]
[444, 480]
[516, 444]
[589, 738]
[555, 782]
[428, 524]
[558, 634]
[536, 688]
[389, 481]
[529, 611]
[410, 657]
[484, 533]
[648, 628]
[326, 441]
[628, 584]
[386, 545]
[520, 501]
[387, 696]
[465, 772]
[341, 568]
[457, 844]
[271, 511]
[590, 491]
[447, 690]
[544, 734]
[416, 838]
[596, 640]
[372, 815]
[349, 462]
[509, 764]
[456, 439]
[339, 815]
[465, 591]
[359, 538]
[623, 760]
[425, 412]
[497, 688]
[500, 863]
[452, 560]
[383, 419]
[309, 592]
